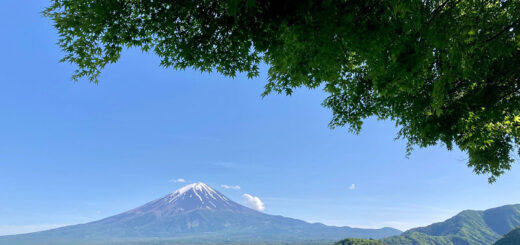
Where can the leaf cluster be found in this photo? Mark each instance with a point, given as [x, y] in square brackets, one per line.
[446, 71]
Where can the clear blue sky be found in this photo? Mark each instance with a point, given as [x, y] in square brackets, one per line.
[77, 152]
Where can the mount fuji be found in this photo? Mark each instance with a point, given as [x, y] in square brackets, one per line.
[194, 214]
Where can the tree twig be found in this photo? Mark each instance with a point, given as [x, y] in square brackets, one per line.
[502, 31]
[437, 11]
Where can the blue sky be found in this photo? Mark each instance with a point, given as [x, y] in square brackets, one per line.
[76, 152]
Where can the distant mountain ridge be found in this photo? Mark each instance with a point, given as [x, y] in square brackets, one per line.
[194, 214]
[466, 228]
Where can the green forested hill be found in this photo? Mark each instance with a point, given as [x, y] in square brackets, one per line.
[466, 228]
[511, 238]
[355, 241]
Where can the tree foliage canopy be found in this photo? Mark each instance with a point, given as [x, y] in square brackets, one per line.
[358, 241]
[446, 71]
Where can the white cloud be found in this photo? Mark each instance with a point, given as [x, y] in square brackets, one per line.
[180, 180]
[254, 202]
[225, 164]
[233, 187]
[352, 187]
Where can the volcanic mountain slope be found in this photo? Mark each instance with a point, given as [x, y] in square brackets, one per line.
[466, 228]
[193, 214]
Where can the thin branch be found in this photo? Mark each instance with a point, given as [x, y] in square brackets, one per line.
[502, 31]
[437, 11]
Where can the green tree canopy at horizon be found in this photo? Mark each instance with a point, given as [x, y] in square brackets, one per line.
[446, 71]
[359, 241]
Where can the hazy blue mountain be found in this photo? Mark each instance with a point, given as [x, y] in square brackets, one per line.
[466, 228]
[511, 238]
[194, 214]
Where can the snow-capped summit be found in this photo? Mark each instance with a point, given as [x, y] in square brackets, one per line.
[196, 196]
[200, 196]
[200, 190]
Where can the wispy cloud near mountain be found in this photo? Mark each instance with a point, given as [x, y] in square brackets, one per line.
[179, 180]
[254, 202]
[232, 187]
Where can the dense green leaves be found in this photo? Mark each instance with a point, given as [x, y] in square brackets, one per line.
[445, 71]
